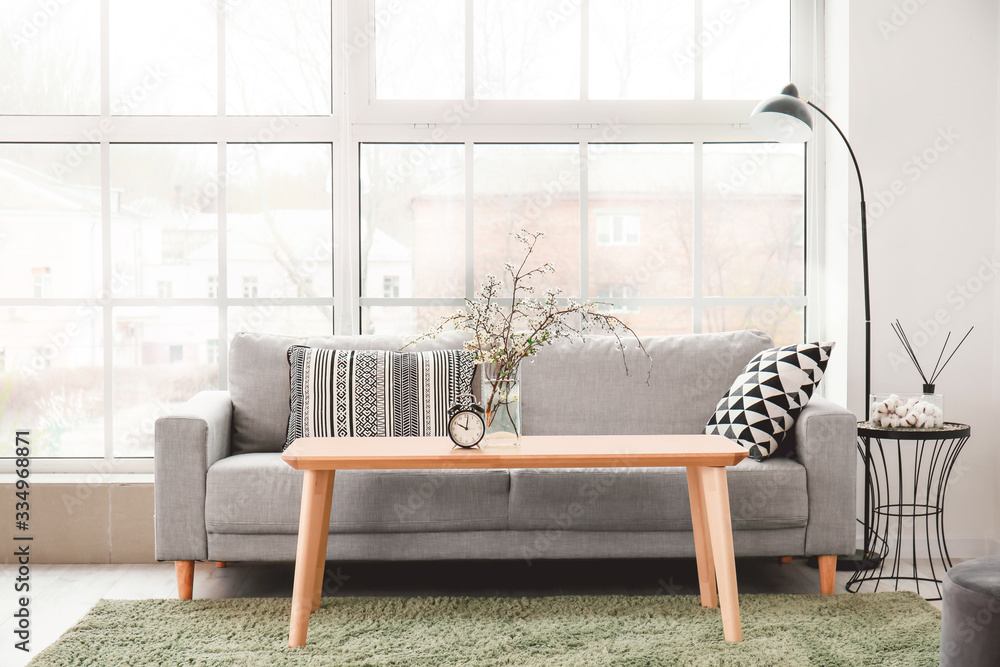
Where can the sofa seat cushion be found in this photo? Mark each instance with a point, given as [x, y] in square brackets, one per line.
[763, 495]
[258, 493]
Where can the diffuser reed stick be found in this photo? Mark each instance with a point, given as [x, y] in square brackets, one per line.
[938, 366]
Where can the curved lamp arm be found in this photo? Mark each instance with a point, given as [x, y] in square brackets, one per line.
[864, 256]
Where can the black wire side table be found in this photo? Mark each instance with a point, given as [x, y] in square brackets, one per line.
[906, 480]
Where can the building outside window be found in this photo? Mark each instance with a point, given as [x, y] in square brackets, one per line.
[249, 287]
[390, 287]
[617, 229]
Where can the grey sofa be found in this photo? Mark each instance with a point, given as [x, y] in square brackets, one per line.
[222, 492]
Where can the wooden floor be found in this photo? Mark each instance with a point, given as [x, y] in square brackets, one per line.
[61, 594]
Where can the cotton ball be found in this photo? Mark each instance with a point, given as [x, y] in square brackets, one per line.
[881, 409]
[893, 401]
[920, 420]
[885, 421]
[900, 410]
[893, 421]
[910, 402]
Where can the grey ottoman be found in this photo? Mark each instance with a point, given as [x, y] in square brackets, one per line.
[970, 614]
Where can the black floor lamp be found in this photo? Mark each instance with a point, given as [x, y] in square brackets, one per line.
[786, 118]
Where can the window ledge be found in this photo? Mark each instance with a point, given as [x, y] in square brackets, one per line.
[80, 478]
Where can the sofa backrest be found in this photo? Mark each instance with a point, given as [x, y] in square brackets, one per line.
[258, 380]
[581, 388]
[568, 389]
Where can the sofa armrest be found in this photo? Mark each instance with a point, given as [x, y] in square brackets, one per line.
[825, 443]
[187, 443]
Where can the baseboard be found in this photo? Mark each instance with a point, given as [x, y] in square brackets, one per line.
[960, 547]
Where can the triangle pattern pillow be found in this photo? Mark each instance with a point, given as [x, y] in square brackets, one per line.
[764, 401]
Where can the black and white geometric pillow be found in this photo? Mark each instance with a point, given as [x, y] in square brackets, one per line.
[764, 401]
[345, 393]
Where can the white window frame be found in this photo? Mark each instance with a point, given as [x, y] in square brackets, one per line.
[356, 118]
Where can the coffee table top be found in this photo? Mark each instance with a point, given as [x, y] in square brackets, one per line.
[537, 451]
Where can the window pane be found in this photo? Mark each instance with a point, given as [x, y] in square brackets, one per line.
[278, 57]
[164, 225]
[402, 320]
[163, 57]
[753, 220]
[52, 379]
[51, 57]
[163, 357]
[535, 187]
[282, 320]
[785, 324]
[527, 49]
[413, 220]
[653, 320]
[638, 50]
[50, 221]
[280, 220]
[640, 208]
[419, 49]
[746, 48]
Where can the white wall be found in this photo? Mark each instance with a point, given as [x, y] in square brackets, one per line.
[922, 102]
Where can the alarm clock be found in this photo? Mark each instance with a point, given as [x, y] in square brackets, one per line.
[466, 423]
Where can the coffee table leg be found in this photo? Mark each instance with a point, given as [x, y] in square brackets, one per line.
[702, 538]
[316, 488]
[721, 528]
[321, 544]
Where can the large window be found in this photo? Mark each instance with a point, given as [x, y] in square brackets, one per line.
[173, 173]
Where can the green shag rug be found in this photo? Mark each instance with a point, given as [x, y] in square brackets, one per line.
[897, 629]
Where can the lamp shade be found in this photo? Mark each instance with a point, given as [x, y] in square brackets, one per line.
[784, 117]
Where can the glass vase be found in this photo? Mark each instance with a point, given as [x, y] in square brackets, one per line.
[906, 411]
[502, 400]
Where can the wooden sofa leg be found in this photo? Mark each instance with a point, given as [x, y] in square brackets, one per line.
[827, 574]
[221, 563]
[185, 578]
[785, 560]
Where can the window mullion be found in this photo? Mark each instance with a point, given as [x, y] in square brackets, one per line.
[584, 213]
[696, 237]
[222, 289]
[106, 280]
[699, 52]
[470, 53]
[584, 50]
[470, 222]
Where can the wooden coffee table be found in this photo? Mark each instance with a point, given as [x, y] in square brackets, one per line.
[704, 456]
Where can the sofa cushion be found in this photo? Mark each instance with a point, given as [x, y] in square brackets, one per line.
[767, 397]
[763, 495]
[374, 393]
[581, 388]
[259, 386]
[258, 493]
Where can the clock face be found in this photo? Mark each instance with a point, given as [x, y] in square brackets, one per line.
[466, 428]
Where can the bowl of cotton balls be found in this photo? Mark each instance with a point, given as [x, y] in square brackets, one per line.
[910, 411]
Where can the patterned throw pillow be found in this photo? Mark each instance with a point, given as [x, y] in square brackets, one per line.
[344, 393]
[764, 401]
